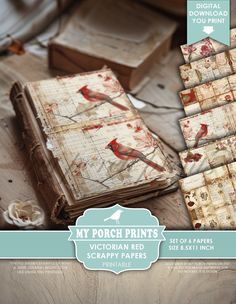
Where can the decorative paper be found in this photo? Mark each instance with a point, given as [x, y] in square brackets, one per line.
[98, 138]
[211, 198]
[209, 95]
[209, 125]
[209, 156]
[208, 69]
[206, 47]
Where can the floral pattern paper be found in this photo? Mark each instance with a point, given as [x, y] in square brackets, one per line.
[209, 125]
[209, 95]
[208, 69]
[206, 47]
[211, 198]
[209, 156]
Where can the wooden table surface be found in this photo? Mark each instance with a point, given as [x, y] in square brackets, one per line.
[166, 282]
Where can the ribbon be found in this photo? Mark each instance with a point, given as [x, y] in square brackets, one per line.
[208, 19]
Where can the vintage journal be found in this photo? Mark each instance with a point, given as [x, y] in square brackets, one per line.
[126, 36]
[88, 145]
[211, 198]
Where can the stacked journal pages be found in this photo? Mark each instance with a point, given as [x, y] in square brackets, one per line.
[88, 145]
[206, 47]
[209, 95]
[209, 131]
[209, 68]
[211, 198]
[126, 36]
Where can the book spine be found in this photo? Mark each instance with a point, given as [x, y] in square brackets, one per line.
[48, 186]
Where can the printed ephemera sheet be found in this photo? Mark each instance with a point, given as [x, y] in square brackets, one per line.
[209, 95]
[206, 47]
[211, 198]
[209, 156]
[209, 68]
[209, 125]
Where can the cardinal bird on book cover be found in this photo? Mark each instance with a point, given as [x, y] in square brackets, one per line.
[128, 153]
[94, 96]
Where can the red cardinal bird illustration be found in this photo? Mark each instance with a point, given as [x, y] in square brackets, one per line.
[126, 153]
[200, 134]
[94, 96]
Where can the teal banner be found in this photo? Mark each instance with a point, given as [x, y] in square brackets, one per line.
[117, 239]
[208, 19]
[177, 245]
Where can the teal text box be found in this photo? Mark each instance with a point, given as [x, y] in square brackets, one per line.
[208, 18]
[55, 245]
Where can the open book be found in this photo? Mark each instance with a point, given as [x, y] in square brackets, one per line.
[88, 145]
[124, 35]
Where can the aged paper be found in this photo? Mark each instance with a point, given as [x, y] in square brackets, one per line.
[209, 125]
[206, 47]
[119, 31]
[209, 68]
[209, 95]
[209, 156]
[98, 138]
[211, 198]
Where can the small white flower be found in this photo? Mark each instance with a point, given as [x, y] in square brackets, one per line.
[24, 214]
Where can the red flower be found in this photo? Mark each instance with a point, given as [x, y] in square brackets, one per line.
[198, 225]
[137, 129]
[107, 78]
[188, 49]
[205, 50]
[191, 204]
[228, 98]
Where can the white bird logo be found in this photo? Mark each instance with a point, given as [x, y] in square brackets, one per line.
[115, 216]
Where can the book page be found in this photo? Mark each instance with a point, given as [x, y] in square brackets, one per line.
[209, 125]
[124, 32]
[99, 140]
[211, 201]
[208, 69]
[209, 95]
[209, 156]
[206, 47]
